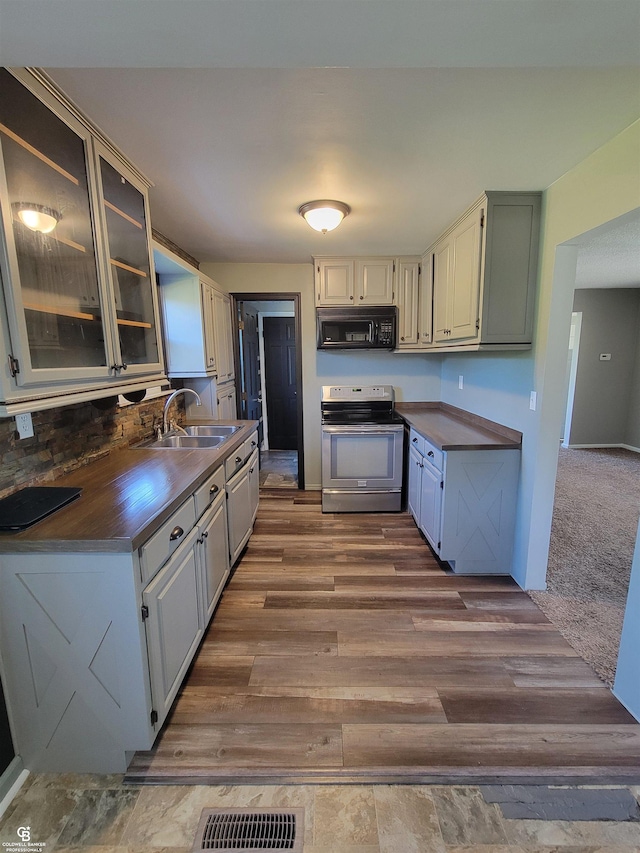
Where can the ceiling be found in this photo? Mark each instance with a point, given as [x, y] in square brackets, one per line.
[241, 111]
[609, 256]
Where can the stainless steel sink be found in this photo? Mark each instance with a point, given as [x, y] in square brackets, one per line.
[222, 430]
[188, 441]
[202, 435]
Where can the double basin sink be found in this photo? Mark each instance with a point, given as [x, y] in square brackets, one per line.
[203, 435]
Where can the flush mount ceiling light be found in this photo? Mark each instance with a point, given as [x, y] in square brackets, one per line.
[324, 215]
[37, 217]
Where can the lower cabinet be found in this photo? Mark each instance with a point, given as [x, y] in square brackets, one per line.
[95, 644]
[213, 564]
[174, 623]
[180, 601]
[464, 502]
[242, 504]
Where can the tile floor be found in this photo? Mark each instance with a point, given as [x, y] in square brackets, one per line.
[279, 469]
[98, 814]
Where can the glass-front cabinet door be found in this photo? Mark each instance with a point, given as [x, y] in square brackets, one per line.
[126, 224]
[51, 281]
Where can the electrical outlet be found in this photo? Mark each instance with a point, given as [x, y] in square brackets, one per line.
[24, 425]
[460, 382]
[533, 400]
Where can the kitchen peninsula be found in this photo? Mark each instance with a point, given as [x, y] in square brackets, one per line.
[104, 603]
[462, 490]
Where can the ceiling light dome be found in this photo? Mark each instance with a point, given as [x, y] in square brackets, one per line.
[324, 215]
[37, 217]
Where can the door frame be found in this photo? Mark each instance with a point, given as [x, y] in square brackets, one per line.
[297, 312]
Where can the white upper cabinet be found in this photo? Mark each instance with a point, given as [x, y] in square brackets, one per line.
[354, 281]
[78, 280]
[223, 336]
[456, 291]
[374, 281]
[484, 272]
[197, 320]
[413, 298]
[334, 281]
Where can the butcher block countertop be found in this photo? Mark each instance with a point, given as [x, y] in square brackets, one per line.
[450, 428]
[126, 496]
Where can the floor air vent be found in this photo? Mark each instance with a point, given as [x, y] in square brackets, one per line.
[258, 830]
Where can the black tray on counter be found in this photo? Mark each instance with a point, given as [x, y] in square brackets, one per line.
[27, 506]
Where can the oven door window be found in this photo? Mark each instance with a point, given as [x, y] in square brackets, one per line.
[362, 459]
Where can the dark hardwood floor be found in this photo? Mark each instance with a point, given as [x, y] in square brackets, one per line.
[341, 651]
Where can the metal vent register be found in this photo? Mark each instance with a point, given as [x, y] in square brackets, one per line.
[231, 830]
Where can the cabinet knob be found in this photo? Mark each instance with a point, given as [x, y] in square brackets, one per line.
[362, 297]
[214, 490]
[205, 535]
[402, 338]
[238, 460]
[414, 440]
[351, 297]
[430, 453]
[176, 533]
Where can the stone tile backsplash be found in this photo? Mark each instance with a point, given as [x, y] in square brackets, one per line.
[71, 436]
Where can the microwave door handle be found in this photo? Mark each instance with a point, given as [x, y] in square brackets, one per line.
[373, 332]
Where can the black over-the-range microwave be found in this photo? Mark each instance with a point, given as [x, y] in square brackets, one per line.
[357, 328]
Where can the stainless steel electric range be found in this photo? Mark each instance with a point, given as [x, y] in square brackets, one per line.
[362, 445]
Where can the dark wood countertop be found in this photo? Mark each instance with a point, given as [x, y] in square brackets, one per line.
[450, 428]
[125, 498]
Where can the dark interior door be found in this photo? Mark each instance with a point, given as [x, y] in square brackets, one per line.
[280, 382]
[252, 402]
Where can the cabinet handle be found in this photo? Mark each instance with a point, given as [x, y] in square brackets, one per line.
[414, 440]
[176, 533]
[214, 490]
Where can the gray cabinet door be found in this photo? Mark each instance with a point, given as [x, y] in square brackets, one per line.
[254, 484]
[174, 624]
[214, 555]
[413, 493]
[431, 504]
[238, 511]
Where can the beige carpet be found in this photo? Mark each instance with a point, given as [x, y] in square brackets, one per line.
[595, 520]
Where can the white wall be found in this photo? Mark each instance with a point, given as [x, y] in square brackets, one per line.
[415, 377]
[610, 324]
[633, 422]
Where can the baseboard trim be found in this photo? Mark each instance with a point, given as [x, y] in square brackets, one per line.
[601, 447]
[11, 781]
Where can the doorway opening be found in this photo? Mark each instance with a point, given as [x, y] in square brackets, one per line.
[267, 339]
[597, 495]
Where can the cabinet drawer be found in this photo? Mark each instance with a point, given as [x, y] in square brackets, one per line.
[417, 441]
[165, 541]
[250, 444]
[431, 452]
[239, 456]
[209, 490]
